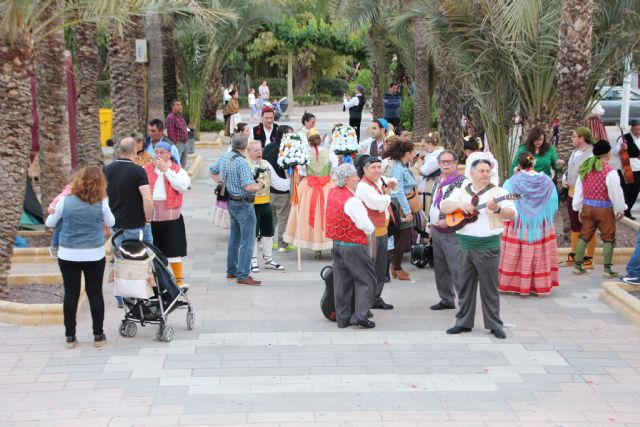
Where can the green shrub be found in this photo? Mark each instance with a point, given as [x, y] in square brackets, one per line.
[329, 85]
[406, 110]
[363, 78]
[312, 100]
[277, 86]
[211, 125]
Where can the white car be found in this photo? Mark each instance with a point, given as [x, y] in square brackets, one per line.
[611, 101]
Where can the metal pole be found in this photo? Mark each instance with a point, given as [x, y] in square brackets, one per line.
[626, 94]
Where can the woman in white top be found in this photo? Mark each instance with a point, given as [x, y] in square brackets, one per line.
[86, 217]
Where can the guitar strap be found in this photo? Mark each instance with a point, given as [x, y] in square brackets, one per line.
[480, 193]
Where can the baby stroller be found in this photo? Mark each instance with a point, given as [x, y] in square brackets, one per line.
[279, 107]
[149, 290]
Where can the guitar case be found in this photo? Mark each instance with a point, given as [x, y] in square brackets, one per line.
[328, 302]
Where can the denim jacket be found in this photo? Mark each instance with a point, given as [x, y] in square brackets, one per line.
[406, 182]
[81, 224]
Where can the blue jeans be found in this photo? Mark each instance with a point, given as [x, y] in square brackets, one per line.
[55, 237]
[633, 266]
[133, 234]
[241, 238]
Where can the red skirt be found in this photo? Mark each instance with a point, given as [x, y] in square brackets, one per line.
[528, 268]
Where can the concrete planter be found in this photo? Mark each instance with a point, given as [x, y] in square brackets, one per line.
[196, 165]
[616, 295]
[212, 140]
[620, 255]
[34, 314]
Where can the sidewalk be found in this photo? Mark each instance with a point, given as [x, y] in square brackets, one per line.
[265, 356]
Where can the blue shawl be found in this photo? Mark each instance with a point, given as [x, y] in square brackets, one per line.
[536, 208]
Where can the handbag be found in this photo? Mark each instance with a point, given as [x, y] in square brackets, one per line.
[414, 201]
[222, 195]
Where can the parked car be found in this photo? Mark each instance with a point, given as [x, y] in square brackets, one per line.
[611, 101]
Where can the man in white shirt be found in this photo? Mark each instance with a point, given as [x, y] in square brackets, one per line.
[226, 95]
[631, 143]
[349, 226]
[376, 198]
[355, 106]
[480, 247]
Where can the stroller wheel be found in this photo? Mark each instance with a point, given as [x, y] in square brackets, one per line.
[123, 328]
[167, 334]
[190, 320]
[131, 329]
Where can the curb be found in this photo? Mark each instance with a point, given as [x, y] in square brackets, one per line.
[616, 296]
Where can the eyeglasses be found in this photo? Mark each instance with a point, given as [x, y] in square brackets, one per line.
[446, 162]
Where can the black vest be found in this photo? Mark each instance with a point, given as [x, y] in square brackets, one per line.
[355, 112]
[632, 148]
[260, 135]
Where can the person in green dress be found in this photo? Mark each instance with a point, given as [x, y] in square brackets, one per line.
[544, 153]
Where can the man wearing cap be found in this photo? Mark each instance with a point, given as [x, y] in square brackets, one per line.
[374, 146]
[376, 199]
[582, 141]
[348, 224]
[234, 170]
[355, 106]
[167, 181]
[599, 200]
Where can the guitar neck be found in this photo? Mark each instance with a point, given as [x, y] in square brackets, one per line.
[498, 200]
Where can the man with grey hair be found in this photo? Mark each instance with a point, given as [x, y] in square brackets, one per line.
[479, 242]
[234, 171]
[348, 224]
[129, 196]
[446, 253]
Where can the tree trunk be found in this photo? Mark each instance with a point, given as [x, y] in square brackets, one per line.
[377, 106]
[125, 83]
[141, 76]
[212, 95]
[422, 108]
[291, 109]
[169, 80]
[55, 153]
[87, 73]
[15, 142]
[450, 113]
[155, 66]
[573, 68]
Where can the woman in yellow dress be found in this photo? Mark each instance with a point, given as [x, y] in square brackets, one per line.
[306, 224]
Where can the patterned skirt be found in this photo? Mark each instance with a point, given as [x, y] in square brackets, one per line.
[597, 129]
[528, 268]
[299, 231]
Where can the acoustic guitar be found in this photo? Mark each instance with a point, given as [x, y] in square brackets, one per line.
[458, 218]
[627, 173]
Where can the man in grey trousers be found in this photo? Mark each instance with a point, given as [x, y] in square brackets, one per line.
[480, 247]
[446, 252]
[349, 226]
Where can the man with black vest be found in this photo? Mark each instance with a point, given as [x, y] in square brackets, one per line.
[265, 132]
[355, 106]
[630, 143]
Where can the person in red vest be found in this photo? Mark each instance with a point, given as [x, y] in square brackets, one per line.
[349, 226]
[168, 181]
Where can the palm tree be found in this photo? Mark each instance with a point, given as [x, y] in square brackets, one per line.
[423, 79]
[55, 153]
[573, 67]
[87, 72]
[169, 80]
[249, 16]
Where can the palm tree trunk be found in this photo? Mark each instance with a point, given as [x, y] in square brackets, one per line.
[376, 98]
[15, 142]
[422, 108]
[212, 95]
[141, 76]
[573, 68]
[55, 152]
[169, 81]
[449, 113]
[124, 84]
[87, 72]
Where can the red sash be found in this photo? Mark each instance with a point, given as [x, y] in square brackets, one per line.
[317, 183]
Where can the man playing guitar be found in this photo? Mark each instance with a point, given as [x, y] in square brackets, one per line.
[630, 143]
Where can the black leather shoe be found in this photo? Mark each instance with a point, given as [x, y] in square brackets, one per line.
[499, 333]
[457, 330]
[441, 306]
[628, 215]
[343, 325]
[369, 314]
[383, 306]
[366, 324]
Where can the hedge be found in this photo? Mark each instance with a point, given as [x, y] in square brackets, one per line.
[329, 85]
[277, 86]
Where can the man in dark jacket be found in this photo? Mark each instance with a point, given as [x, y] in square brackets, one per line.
[265, 132]
[392, 102]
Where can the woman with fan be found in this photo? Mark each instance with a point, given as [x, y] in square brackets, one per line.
[529, 262]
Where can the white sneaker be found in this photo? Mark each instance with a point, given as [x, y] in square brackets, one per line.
[270, 264]
[255, 268]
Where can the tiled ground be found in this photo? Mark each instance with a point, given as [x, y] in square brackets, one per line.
[265, 356]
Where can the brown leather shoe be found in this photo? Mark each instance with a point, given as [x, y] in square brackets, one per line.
[231, 277]
[402, 275]
[249, 281]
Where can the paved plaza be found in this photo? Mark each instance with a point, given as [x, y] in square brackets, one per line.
[265, 356]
